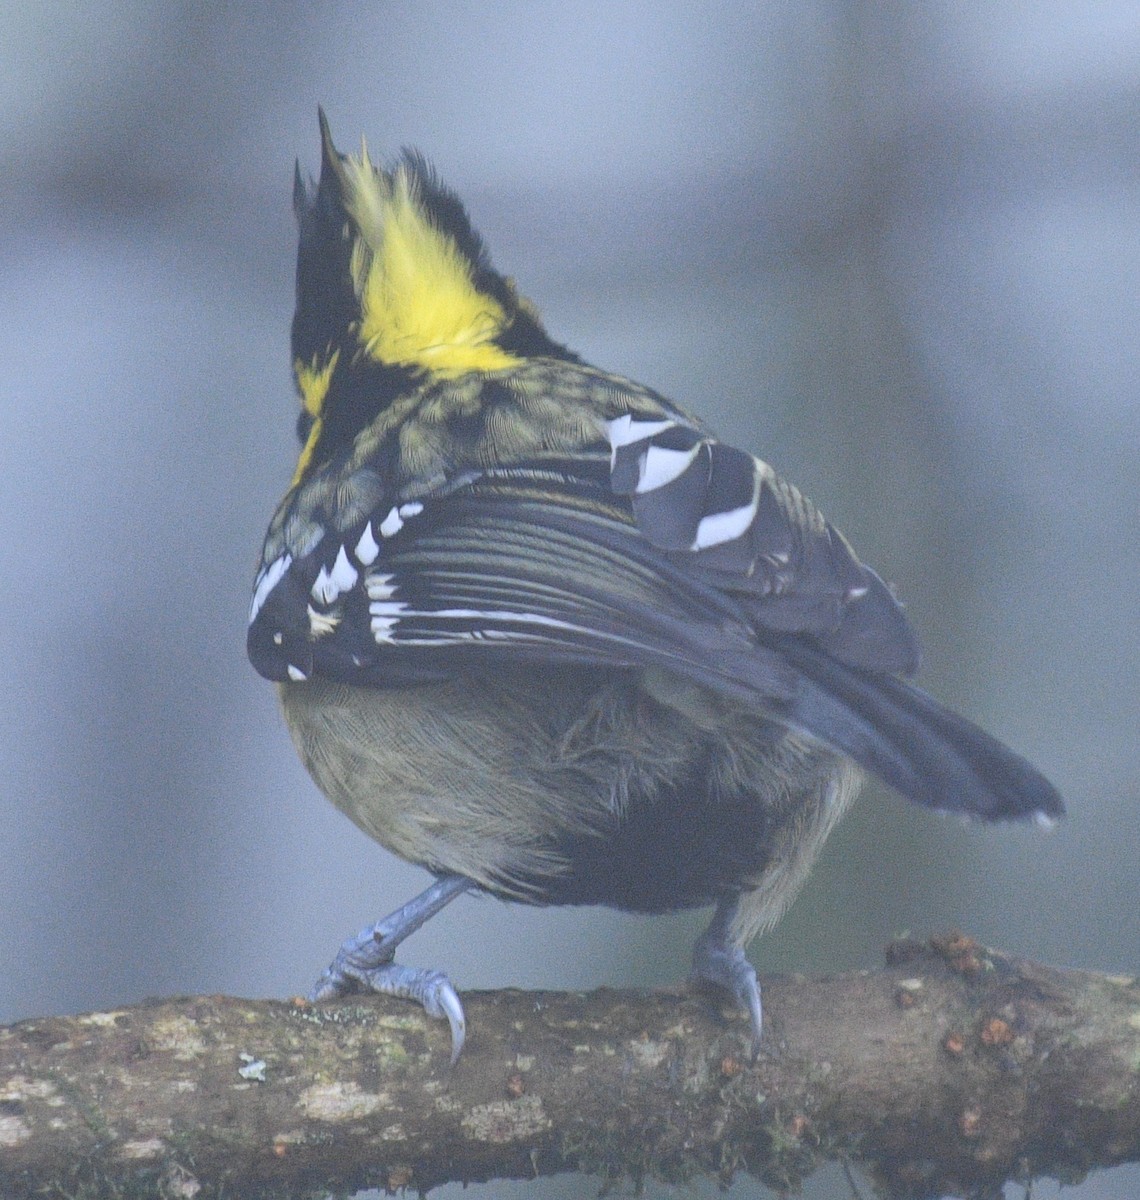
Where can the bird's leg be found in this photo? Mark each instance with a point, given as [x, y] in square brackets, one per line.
[717, 959]
[365, 962]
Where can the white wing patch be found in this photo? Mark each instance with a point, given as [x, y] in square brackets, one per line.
[329, 585]
[380, 587]
[322, 623]
[267, 580]
[621, 431]
[396, 622]
[392, 523]
[397, 515]
[383, 609]
[324, 613]
[727, 526]
[368, 547]
[386, 617]
[723, 527]
[659, 466]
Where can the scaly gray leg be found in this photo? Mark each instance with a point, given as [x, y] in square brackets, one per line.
[366, 962]
[718, 960]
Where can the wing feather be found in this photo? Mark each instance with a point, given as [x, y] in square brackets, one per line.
[752, 534]
[653, 545]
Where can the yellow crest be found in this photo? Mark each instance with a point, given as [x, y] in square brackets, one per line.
[419, 304]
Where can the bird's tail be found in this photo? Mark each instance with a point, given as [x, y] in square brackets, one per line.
[910, 741]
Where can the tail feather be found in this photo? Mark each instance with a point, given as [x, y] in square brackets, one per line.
[910, 741]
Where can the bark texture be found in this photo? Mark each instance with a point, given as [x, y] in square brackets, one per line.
[952, 1070]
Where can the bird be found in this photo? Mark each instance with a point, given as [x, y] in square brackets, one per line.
[535, 629]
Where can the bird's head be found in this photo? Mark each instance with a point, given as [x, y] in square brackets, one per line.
[394, 287]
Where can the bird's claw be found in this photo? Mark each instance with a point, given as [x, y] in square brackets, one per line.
[726, 967]
[352, 970]
[441, 1000]
[432, 990]
[365, 962]
[328, 987]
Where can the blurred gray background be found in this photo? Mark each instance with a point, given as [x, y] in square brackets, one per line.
[893, 248]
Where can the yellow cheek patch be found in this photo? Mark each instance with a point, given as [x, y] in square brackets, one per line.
[419, 304]
[313, 383]
[307, 453]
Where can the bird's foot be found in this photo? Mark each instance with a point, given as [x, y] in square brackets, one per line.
[366, 963]
[428, 988]
[717, 961]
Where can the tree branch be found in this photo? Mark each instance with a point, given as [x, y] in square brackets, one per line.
[953, 1069]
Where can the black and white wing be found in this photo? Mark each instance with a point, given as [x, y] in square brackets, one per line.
[656, 547]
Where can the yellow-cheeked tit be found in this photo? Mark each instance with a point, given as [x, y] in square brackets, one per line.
[535, 629]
